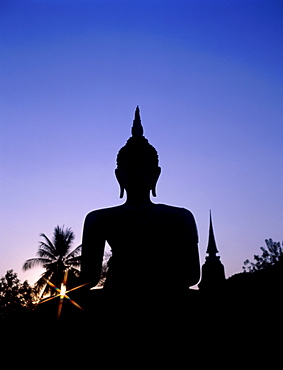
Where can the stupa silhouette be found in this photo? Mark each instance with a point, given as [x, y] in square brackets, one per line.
[213, 272]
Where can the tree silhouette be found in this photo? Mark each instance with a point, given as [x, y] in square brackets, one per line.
[15, 297]
[57, 258]
[104, 269]
[271, 255]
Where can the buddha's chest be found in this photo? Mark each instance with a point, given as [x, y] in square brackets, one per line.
[138, 232]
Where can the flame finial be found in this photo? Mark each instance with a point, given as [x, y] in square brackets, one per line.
[137, 129]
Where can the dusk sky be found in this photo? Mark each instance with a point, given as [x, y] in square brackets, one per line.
[207, 76]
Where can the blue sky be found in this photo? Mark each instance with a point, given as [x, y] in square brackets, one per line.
[207, 76]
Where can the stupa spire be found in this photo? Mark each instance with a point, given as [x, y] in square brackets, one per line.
[213, 273]
[211, 246]
[137, 129]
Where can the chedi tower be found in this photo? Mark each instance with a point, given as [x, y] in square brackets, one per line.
[213, 273]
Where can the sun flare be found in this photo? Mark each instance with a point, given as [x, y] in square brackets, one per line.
[62, 293]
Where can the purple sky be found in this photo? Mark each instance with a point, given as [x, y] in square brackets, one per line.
[207, 76]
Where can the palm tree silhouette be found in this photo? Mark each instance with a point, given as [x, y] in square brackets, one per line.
[55, 256]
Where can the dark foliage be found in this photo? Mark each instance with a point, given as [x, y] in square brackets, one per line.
[271, 255]
[16, 298]
[104, 269]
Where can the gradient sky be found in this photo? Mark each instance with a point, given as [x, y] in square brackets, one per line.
[207, 76]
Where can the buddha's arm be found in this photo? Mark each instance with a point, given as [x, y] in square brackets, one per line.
[92, 249]
[192, 264]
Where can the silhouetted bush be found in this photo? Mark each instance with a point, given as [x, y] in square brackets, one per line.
[16, 298]
[271, 255]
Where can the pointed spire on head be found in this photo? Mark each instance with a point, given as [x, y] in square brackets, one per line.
[211, 247]
[137, 129]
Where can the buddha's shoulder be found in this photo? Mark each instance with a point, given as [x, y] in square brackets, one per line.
[121, 210]
[102, 213]
[173, 210]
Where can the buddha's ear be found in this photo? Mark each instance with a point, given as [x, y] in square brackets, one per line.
[121, 192]
[153, 190]
[120, 181]
[156, 177]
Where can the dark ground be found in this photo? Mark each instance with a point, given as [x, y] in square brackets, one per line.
[232, 326]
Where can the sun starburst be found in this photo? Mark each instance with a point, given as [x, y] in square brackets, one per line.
[62, 293]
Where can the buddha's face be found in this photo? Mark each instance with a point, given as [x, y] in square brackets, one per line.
[138, 180]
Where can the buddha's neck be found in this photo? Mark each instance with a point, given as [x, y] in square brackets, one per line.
[138, 200]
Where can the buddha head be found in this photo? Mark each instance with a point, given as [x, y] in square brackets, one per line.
[137, 163]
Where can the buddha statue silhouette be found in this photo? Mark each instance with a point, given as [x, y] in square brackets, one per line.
[154, 246]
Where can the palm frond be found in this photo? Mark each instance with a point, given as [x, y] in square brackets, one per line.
[33, 262]
[48, 244]
[74, 262]
[75, 271]
[52, 265]
[63, 240]
[76, 252]
[70, 236]
[42, 252]
[41, 286]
